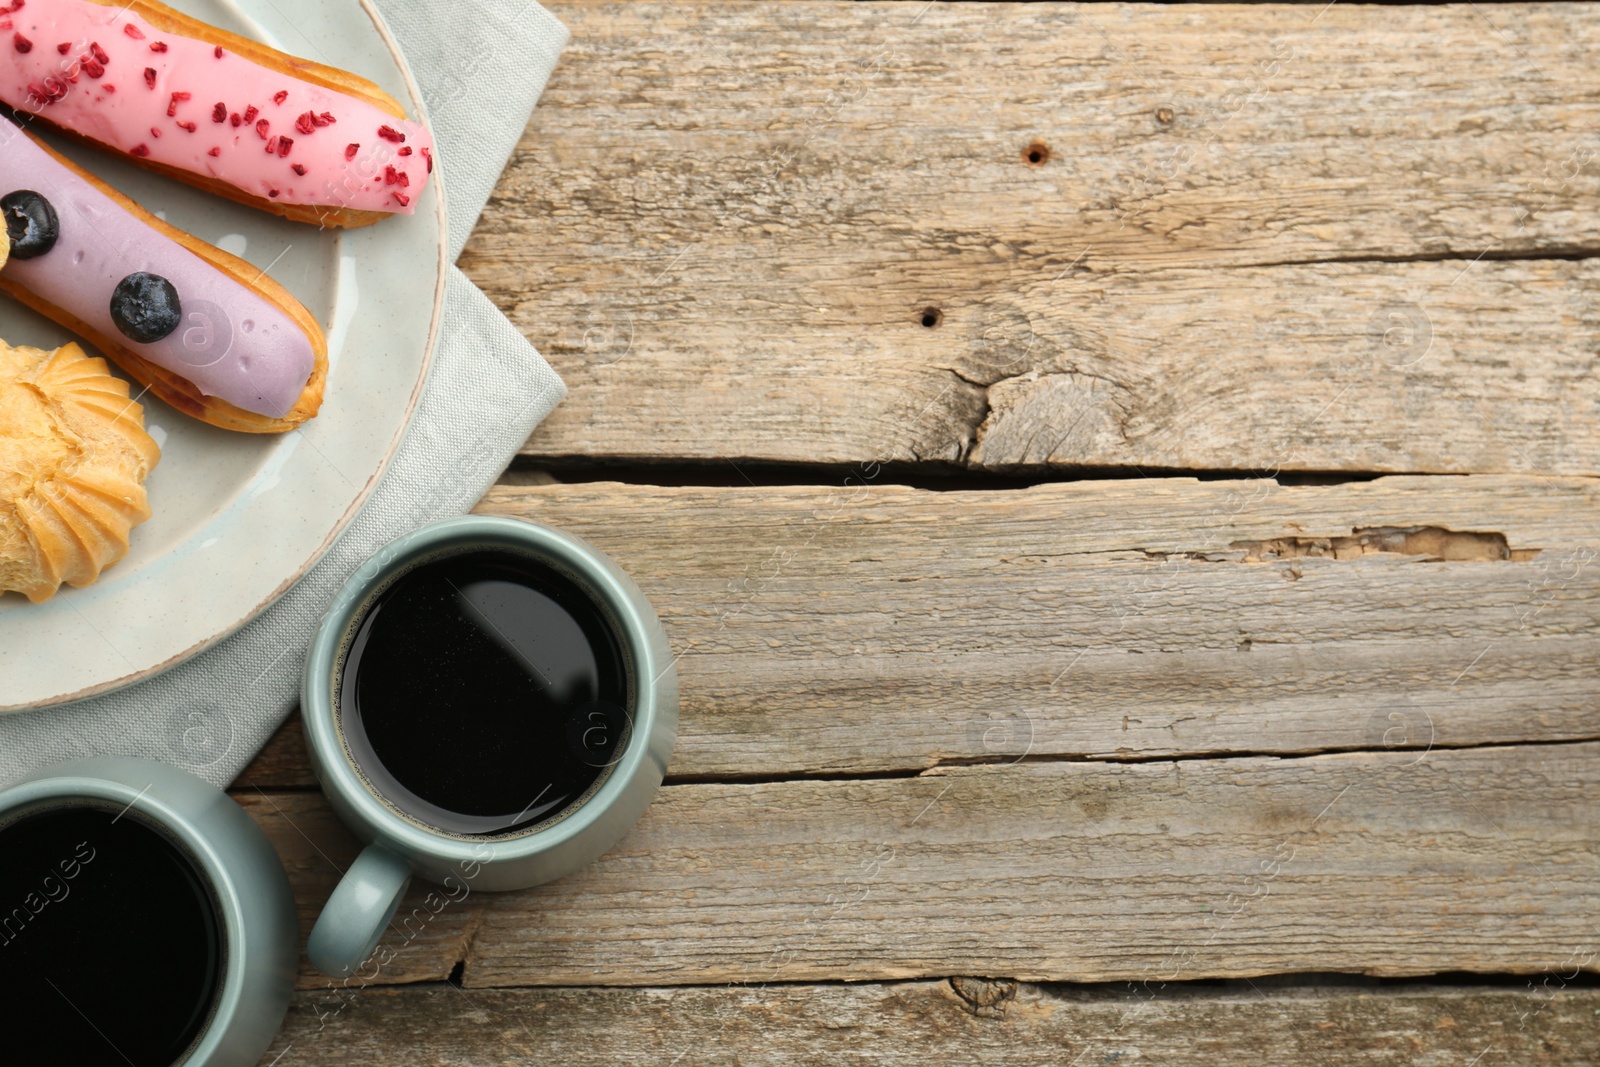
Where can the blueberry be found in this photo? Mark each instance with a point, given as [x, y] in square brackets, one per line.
[30, 223]
[145, 307]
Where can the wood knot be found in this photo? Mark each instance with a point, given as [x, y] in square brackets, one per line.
[1036, 154]
[985, 997]
[1164, 116]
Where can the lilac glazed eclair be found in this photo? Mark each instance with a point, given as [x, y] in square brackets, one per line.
[204, 330]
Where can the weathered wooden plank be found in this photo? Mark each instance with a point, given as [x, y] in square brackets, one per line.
[867, 628]
[870, 628]
[756, 206]
[1381, 863]
[911, 1023]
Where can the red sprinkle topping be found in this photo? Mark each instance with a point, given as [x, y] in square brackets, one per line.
[391, 176]
[108, 87]
[219, 113]
[5, 24]
[350, 150]
[250, 113]
[22, 43]
[406, 151]
[150, 77]
[172, 105]
[403, 198]
[389, 133]
[52, 90]
[325, 119]
[306, 123]
[187, 126]
[139, 150]
[16, 5]
[64, 47]
[218, 52]
[133, 31]
[99, 53]
[427, 155]
[235, 119]
[261, 127]
[93, 69]
[158, 46]
[272, 192]
[298, 168]
[272, 146]
[280, 96]
[284, 144]
[214, 152]
[154, 132]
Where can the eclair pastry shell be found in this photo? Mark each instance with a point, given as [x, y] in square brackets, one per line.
[73, 458]
[165, 18]
[168, 385]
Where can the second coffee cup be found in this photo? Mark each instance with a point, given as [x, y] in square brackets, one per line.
[489, 704]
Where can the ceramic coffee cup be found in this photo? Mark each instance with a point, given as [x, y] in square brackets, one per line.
[145, 919]
[402, 829]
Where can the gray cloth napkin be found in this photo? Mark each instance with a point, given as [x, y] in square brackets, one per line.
[485, 393]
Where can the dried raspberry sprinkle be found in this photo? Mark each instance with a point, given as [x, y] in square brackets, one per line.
[64, 47]
[427, 155]
[218, 52]
[99, 53]
[5, 24]
[235, 119]
[280, 96]
[403, 198]
[298, 168]
[139, 150]
[172, 105]
[261, 127]
[158, 46]
[406, 151]
[220, 112]
[22, 43]
[305, 123]
[389, 133]
[93, 69]
[133, 31]
[154, 132]
[324, 119]
[150, 77]
[108, 87]
[272, 192]
[187, 126]
[351, 149]
[16, 5]
[214, 152]
[250, 113]
[272, 146]
[284, 144]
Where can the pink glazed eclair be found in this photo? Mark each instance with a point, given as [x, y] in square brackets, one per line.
[204, 330]
[228, 115]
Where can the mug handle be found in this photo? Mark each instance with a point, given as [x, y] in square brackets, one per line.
[358, 912]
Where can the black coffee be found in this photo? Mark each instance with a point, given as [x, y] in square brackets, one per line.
[484, 692]
[109, 941]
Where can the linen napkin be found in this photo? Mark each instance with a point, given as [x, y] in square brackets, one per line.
[486, 391]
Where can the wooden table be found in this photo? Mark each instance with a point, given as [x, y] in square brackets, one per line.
[1122, 482]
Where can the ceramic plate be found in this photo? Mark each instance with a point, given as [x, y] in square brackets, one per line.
[239, 517]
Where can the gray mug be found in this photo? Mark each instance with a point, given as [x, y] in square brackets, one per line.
[399, 842]
[200, 838]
